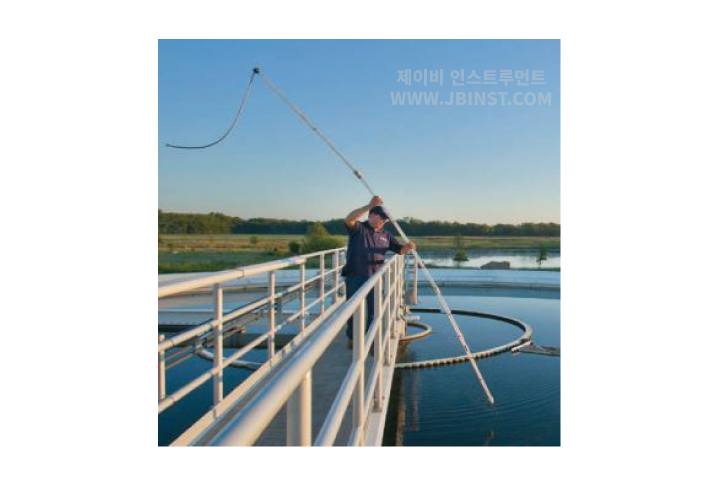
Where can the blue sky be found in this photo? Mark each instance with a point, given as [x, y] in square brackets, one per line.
[486, 164]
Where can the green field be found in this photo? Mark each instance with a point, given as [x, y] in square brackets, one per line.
[487, 242]
[182, 253]
[179, 253]
[279, 242]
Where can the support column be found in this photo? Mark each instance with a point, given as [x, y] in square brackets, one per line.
[299, 414]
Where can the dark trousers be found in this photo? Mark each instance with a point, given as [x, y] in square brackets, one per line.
[354, 283]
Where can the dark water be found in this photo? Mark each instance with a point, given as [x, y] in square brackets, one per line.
[441, 406]
[173, 421]
[445, 406]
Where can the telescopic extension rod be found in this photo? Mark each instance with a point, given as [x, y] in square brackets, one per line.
[443, 303]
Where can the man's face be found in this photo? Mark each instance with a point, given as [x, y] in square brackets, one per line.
[376, 221]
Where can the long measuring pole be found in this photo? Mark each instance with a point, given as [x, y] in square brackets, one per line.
[444, 306]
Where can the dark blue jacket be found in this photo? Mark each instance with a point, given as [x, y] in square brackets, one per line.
[366, 249]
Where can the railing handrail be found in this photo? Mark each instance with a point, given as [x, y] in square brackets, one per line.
[168, 289]
[251, 421]
[216, 325]
[285, 378]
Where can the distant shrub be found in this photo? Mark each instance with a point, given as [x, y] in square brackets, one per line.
[461, 256]
[318, 239]
[254, 240]
[319, 244]
[542, 254]
[294, 247]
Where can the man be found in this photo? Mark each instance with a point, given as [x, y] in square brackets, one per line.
[368, 243]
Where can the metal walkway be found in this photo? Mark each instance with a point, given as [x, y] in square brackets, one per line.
[311, 388]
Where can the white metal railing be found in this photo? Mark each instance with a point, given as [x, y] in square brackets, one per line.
[213, 329]
[292, 385]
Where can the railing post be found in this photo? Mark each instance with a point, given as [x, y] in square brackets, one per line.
[358, 336]
[217, 379]
[336, 273]
[378, 345]
[386, 313]
[322, 284]
[400, 292]
[415, 276]
[393, 295]
[299, 414]
[161, 372]
[214, 329]
[343, 262]
[302, 297]
[271, 338]
[405, 265]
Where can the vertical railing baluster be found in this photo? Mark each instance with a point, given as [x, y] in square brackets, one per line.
[336, 275]
[217, 379]
[322, 284]
[415, 277]
[393, 281]
[302, 297]
[405, 265]
[401, 294]
[397, 294]
[358, 336]
[271, 338]
[343, 261]
[378, 345]
[161, 372]
[386, 313]
[299, 414]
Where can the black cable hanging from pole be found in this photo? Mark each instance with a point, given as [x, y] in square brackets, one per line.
[255, 71]
[444, 306]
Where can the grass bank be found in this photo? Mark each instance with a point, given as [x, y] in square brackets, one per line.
[279, 242]
[191, 262]
[184, 253]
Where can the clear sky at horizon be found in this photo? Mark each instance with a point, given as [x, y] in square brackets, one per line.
[485, 164]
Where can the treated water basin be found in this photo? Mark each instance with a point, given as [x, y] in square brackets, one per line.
[445, 406]
[442, 406]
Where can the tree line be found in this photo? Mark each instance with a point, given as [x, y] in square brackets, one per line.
[217, 223]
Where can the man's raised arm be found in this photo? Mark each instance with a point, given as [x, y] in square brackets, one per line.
[355, 215]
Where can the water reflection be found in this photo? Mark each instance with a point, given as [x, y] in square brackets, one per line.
[516, 259]
[490, 437]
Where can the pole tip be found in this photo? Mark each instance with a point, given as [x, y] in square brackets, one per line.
[256, 70]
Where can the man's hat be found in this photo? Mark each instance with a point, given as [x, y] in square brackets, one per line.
[378, 210]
